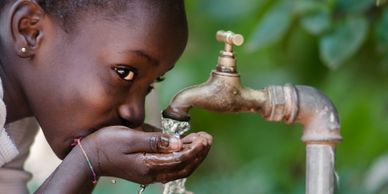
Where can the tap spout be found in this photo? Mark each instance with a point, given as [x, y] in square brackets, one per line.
[221, 93]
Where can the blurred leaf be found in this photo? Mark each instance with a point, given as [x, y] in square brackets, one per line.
[254, 177]
[230, 9]
[302, 7]
[377, 176]
[380, 2]
[381, 31]
[354, 6]
[344, 41]
[316, 23]
[273, 25]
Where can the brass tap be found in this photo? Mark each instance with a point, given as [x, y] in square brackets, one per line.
[223, 91]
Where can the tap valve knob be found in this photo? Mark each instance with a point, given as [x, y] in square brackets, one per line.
[226, 59]
[230, 38]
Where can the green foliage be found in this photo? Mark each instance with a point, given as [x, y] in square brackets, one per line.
[344, 41]
[354, 6]
[381, 31]
[317, 22]
[273, 25]
[342, 26]
[380, 2]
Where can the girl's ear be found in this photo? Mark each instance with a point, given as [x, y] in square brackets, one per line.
[26, 27]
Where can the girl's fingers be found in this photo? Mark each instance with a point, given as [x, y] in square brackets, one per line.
[198, 148]
[152, 143]
[182, 173]
[191, 137]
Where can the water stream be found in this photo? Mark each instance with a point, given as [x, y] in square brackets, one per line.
[176, 128]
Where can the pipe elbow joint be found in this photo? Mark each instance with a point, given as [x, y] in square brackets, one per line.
[308, 106]
[318, 115]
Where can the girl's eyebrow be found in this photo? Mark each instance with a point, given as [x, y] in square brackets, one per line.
[145, 56]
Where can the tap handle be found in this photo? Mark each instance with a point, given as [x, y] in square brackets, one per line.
[230, 38]
[226, 59]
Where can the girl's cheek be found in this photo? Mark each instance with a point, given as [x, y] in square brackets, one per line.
[98, 97]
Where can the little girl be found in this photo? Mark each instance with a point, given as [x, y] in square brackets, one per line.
[82, 69]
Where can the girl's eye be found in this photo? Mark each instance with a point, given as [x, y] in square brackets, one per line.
[160, 79]
[151, 87]
[125, 72]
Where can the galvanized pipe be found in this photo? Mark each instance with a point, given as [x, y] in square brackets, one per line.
[320, 165]
[321, 134]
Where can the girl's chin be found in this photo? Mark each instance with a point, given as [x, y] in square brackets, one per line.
[62, 150]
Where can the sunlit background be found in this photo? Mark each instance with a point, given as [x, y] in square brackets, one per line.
[337, 46]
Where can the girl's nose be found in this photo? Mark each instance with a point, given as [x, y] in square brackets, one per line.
[132, 113]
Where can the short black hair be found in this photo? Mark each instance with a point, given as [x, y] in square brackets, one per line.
[67, 11]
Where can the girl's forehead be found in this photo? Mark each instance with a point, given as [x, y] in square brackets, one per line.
[144, 27]
[112, 40]
[161, 35]
[140, 18]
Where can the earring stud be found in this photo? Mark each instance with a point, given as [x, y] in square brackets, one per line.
[23, 50]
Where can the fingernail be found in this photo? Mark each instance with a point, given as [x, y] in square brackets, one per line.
[175, 143]
[164, 142]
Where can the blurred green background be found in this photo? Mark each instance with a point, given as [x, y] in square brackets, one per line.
[337, 46]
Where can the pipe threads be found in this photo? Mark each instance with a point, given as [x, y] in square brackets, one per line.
[283, 102]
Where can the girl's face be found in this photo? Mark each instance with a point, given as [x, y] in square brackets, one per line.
[100, 73]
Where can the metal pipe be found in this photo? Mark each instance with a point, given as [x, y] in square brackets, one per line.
[320, 165]
[293, 104]
[321, 134]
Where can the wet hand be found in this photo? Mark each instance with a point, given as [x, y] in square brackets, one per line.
[145, 157]
[181, 163]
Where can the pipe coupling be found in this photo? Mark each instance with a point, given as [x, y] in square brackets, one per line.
[282, 103]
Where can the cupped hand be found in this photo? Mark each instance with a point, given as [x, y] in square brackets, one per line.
[145, 157]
